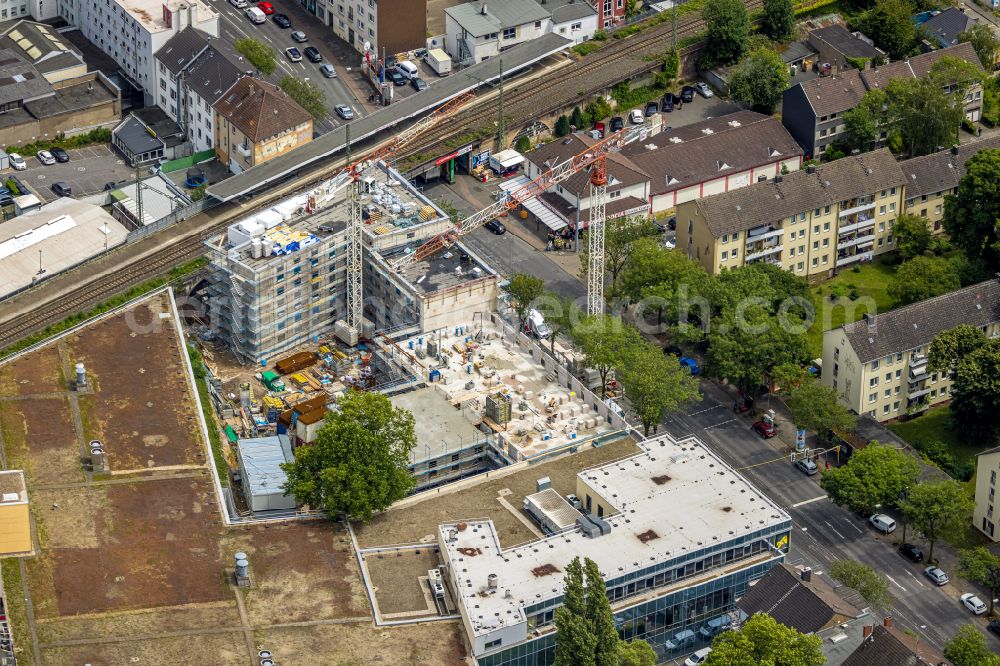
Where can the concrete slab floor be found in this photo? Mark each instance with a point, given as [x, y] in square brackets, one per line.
[439, 425]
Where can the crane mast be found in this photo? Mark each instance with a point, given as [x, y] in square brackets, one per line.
[595, 237]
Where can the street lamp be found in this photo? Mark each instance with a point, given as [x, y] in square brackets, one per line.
[41, 271]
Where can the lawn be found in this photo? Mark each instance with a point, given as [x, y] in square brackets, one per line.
[847, 296]
[935, 424]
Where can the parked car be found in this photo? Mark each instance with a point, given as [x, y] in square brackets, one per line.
[698, 657]
[45, 157]
[687, 94]
[293, 54]
[313, 54]
[911, 552]
[17, 162]
[61, 155]
[690, 364]
[703, 89]
[281, 21]
[396, 77]
[617, 124]
[681, 639]
[536, 326]
[994, 626]
[265, 7]
[328, 71]
[418, 84]
[110, 185]
[973, 603]
[667, 103]
[635, 116]
[652, 108]
[62, 189]
[299, 36]
[496, 226]
[937, 575]
[764, 429]
[882, 523]
[344, 111]
[807, 466]
[669, 243]
[239, 4]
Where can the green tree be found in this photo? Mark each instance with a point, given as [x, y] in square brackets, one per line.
[975, 394]
[760, 80]
[875, 476]
[359, 462]
[562, 126]
[306, 94]
[763, 640]
[607, 344]
[620, 236]
[656, 384]
[968, 648]
[936, 509]
[864, 122]
[913, 236]
[971, 214]
[575, 641]
[523, 144]
[258, 53]
[576, 119]
[778, 21]
[815, 407]
[602, 621]
[888, 24]
[636, 653]
[985, 43]
[728, 27]
[981, 566]
[921, 278]
[951, 346]
[525, 289]
[660, 276]
[870, 584]
[598, 109]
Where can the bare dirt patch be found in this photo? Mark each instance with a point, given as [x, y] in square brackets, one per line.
[426, 644]
[68, 518]
[54, 447]
[37, 372]
[417, 523]
[397, 580]
[301, 571]
[227, 649]
[192, 617]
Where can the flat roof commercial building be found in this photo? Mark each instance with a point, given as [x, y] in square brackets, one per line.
[261, 475]
[15, 514]
[680, 536]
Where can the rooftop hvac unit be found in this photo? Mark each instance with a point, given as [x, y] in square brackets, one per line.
[543, 483]
[589, 529]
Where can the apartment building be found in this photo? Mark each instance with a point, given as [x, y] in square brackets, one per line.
[677, 533]
[132, 33]
[810, 222]
[878, 365]
[395, 25]
[930, 178]
[984, 515]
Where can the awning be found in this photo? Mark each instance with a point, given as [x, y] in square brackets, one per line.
[506, 159]
[548, 216]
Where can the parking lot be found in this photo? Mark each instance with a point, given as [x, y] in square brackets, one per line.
[695, 111]
[86, 172]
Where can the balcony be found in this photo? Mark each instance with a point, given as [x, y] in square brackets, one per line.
[915, 395]
[918, 376]
[762, 251]
[763, 233]
[917, 362]
[862, 223]
[856, 240]
[856, 206]
[244, 149]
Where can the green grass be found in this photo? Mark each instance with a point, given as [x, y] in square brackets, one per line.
[205, 402]
[870, 284]
[17, 611]
[935, 425]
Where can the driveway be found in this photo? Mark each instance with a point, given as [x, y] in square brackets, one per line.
[86, 172]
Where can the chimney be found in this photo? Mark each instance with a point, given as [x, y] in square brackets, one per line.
[868, 629]
[887, 622]
[870, 321]
[811, 168]
[482, 9]
[806, 574]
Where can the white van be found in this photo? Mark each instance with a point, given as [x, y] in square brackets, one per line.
[713, 627]
[536, 325]
[408, 69]
[681, 639]
[256, 16]
[882, 523]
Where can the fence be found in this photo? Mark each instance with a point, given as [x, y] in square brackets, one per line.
[187, 162]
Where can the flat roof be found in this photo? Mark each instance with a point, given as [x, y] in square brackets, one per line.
[676, 496]
[555, 507]
[66, 232]
[440, 426]
[456, 84]
[12, 483]
[150, 13]
[442, 270]
[261, 458]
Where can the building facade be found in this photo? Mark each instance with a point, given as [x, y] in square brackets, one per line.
[984, 516]
[810, 222]
[395, 25]
[477, 31]
[663, 582]
[879, 365]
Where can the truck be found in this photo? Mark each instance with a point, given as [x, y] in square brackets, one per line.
[439, 61]
[255, 15]
[272, 380]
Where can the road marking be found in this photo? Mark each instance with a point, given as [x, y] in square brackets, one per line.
[893, 581]
[716, 425]
[834, 530]
[853, 526]
[915, 579]
[808, 501]
[702, 411]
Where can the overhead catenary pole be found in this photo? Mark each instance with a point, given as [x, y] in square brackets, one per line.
[501, 130]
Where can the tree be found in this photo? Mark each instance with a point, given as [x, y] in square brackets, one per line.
[606, 342]
[888, 24]
[656, 384]
[975, 393]
[602, 622]
[763, 640]
[598, 109]
[921, 278]
[937, 508]
[913, 236]
[778, 21]
[523, 144]
[620, 236]
[258, 53]
[525, 289]
[636, 653]
[661, 276]
[985, 43]
[576, 119]
[306, 94]
[870, 584]
[875, 476]
[968, 648]
[971, 214]
[359, 462]
[951, 346]
[815, 407]
[562, 126]
[864, 122]
[981, 566]
[760, 80]
[728, 27]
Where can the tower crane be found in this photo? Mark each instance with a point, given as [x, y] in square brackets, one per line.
[351, 175]
[594, 159]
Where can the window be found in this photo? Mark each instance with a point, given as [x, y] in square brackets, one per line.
[725, 238]
[873, 382]
[816, 229]
[725, 255]
[887, 393]
[736, 235]
[576, 26]
[888, 376]
[881, 210]
[826, 211]
[872, 397]
[509, 33]
[875, 364]
[885, 409]
[892, 207]
[826, 226]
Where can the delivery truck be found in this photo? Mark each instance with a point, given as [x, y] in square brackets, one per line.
[439, 61]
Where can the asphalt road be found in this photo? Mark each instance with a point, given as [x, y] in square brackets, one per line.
[822, 531]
